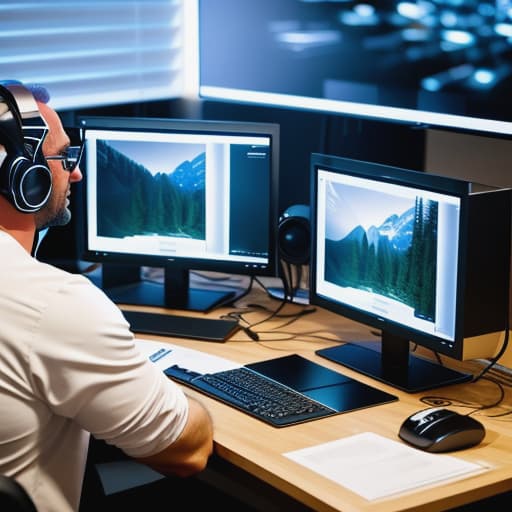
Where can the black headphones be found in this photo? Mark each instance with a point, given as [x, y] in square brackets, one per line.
[25, 178]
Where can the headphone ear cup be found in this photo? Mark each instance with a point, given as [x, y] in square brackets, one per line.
[25, 178]
[294, 235]
[30, 184]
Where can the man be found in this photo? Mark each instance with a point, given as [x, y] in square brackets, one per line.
[69, 366]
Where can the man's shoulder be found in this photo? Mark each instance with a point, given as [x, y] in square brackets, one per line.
[75, 290]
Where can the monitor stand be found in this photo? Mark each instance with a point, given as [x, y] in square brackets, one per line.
[391, 362]
[123, 284]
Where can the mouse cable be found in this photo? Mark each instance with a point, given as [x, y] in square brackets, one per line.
[506, 415]
[440, 401]
[499, 400]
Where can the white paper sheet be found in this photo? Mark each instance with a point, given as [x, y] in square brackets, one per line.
[374, 466]
[165, 355]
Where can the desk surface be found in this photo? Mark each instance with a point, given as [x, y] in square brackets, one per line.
[257, 447]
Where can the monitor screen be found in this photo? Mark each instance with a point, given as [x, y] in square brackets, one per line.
[182, 195]
[407, 253]
[438, 64]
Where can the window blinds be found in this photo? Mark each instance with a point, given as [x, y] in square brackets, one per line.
[95, 52]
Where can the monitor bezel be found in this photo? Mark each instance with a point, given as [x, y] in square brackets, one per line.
[197, 126]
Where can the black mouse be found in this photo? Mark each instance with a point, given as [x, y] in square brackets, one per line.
[441, 430]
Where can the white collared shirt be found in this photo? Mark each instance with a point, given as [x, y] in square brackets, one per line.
[69, 367]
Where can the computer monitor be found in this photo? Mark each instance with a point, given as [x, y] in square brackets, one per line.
[422, 259]
[181, 195]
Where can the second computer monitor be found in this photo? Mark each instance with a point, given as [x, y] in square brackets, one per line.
[422, 258]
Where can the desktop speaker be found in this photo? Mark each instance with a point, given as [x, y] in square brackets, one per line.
[25, 179]
[294, 235]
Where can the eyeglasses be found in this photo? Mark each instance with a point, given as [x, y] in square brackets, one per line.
[70, 157]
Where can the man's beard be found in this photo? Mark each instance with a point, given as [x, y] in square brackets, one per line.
[60, 218]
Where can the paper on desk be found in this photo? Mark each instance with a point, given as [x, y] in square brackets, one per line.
[165, 355]
[374, 466]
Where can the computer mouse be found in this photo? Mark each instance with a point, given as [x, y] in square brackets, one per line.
[438, 429]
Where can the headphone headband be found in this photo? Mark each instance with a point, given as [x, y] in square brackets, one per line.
[27, 106]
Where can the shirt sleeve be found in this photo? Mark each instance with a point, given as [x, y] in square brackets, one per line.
[86, 366]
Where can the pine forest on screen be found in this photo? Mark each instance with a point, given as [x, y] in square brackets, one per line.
[133, 201]
[396, 259]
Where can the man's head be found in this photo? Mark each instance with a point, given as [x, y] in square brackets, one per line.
[56, 210]
[56, 163]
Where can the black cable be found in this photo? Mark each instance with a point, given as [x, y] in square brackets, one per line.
[287, 281]
[498, 401]
[35, 243]
[296, 287]
[294, 317]
[272, 315]
[90, 268]
[247, 290]
[288, 293]
[438, 358]
[504, 379]
[249, 328]
[495, 359]
[500, 415]
[440, 401]
[237, 316]
[252, 334]
[492, 361]
[298, 336]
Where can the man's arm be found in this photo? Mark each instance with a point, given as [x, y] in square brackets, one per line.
[189, 453]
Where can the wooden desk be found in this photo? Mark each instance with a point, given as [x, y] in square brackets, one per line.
[257, 448]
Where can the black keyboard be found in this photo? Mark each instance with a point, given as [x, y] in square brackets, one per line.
[255, 394]
[283, 391]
